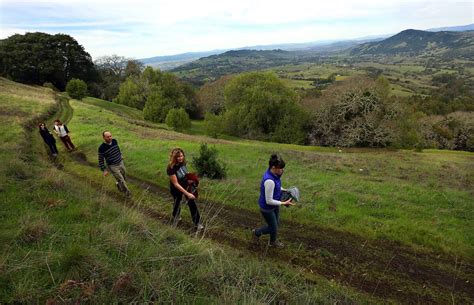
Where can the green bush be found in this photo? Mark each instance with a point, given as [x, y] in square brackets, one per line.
[213, 124]
[76, 88]
[156, 107]
[207, 164]
[178, 119]
[50, 86]
[257, 104]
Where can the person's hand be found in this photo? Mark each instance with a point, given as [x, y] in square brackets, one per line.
[288, 202]
[190, 196]
[106, 173]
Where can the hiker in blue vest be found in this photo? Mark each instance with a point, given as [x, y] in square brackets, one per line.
[270, 200]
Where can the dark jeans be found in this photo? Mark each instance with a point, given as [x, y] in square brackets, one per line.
[192, 208]
[52, 147]
[273, 220]
[67, 142]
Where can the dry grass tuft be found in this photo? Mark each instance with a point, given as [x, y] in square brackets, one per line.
[33, 232]
[125, 285]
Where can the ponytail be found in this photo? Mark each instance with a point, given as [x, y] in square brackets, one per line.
[277, 161]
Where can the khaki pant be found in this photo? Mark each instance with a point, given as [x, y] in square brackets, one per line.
[118, 170]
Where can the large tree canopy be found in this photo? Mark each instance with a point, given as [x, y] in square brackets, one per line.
[259, 106]
[37, 58]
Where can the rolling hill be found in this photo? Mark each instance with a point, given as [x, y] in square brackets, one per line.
[415, 42]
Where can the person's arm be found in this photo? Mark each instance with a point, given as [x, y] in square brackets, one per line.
[102, 163]
[269, 189]
[65, 129]
[174, 181]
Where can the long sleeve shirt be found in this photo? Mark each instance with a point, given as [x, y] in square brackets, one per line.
[110, 153]
[269, 188]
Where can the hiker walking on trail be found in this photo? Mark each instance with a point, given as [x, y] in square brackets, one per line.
[270, 200]
[63, 133]
[109, 151]
[48, 139]
[177, 171]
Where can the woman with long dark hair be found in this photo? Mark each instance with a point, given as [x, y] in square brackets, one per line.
[48, 138]
[177, 171]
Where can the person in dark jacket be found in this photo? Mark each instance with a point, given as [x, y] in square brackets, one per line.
[270, 200]
[48, 139]
[177, 171]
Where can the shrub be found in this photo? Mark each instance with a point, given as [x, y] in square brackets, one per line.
[156, 107]
[354, 115]
[50, 86]
[256, 105]
[213, 124]
[207, 164]
[76, 88]
[178, 119]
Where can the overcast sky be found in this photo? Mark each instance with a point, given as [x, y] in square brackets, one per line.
[140, 28]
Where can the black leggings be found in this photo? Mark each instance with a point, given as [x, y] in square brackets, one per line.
[52, 147]
[192, 208]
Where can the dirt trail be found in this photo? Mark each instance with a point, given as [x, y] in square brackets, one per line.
[378, 267]
[382, 268]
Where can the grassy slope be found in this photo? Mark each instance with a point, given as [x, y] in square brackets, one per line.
[420, 199]
[70, 239]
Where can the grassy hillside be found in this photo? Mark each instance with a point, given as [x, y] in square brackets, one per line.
[390, 194]
[67, 238]
[372, 225]
[397, 201]
[416, 42]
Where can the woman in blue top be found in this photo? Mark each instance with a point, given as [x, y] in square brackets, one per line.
[269, 201]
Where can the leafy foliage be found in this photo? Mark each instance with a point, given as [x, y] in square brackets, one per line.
[76, 88]
[355, 115]
[260, 106]
[157, 93]
[211, 96]
[207, 164]
[132, 94]
[37, 58]
[113, 70]
[178, 119]
[453, 131]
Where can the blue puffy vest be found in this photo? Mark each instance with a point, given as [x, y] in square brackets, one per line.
[276, 192]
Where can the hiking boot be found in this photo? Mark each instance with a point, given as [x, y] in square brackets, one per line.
[199, 227]
[276, 244]
[255, 237]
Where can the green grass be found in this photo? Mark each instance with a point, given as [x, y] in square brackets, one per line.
[65, 237]
[421, 199]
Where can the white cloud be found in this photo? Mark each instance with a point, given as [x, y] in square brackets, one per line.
[148, 28]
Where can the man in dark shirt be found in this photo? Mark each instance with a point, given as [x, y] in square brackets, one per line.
[110, 151]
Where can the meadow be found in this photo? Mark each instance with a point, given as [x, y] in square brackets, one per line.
[372, 225]
[65, 238]
[399, 195]
[398, 199]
